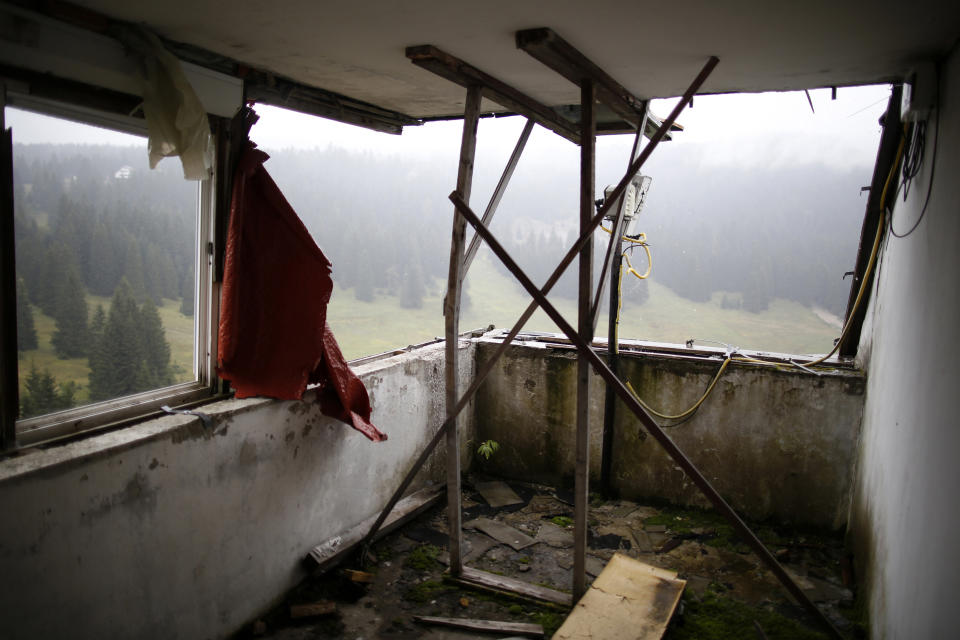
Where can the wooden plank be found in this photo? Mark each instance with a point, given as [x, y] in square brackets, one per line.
[549, 48]
[629, 599]
[331, 552]
[451, 313]
[492, 626]
[452, 68]
[498, 194]
[581, 488]
[471, 577]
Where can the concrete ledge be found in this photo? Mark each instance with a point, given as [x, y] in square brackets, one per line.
[167, 529]
[776, 442]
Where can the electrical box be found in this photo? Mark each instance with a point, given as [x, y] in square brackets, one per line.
[919, 93]
[634, 197]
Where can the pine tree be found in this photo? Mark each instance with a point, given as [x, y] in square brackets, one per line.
[156, 349]
[412, 289]
[116, 365]
[70, 337]
[187, 293]
[42, 395]
[26, 332]
[133, 268]
[131, 353]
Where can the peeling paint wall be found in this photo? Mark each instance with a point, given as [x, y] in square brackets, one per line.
[165, 530]
[905, 517]
[775, 443]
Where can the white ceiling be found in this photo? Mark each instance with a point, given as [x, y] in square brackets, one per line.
[356, 47]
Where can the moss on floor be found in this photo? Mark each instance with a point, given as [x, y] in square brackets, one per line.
[717, 616]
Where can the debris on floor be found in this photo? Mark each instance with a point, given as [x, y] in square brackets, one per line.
[728, 592]
[498, 493]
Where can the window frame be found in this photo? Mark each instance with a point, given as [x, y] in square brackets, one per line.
[91, 416]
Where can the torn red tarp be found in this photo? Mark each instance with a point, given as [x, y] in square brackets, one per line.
[273, 316]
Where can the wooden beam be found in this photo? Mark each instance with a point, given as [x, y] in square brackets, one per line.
[558, 54]
[614, 248]
[451, 312]
[330, 553]
[456, 70]
[498, 194]
[588, 140]
[502, 584]
[488, 626]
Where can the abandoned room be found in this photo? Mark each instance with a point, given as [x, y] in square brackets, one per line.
[201, 436]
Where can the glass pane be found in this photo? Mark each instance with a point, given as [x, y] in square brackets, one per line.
[106, 253]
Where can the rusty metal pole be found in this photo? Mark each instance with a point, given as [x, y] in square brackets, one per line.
[585, 350]
[615, 263]
[581, 491]
[451, 312]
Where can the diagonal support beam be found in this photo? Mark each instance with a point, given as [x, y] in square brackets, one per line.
[456, 70]
[551, 281]
[585, 351]
[614, 247]
[498, 194]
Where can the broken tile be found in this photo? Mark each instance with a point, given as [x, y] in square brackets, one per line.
[642, 540]
[498, 493]
[593, 566]
[546, 504]
[655, 528]
[478, 546]
[564, 560]
[555, 536]
[501, 533]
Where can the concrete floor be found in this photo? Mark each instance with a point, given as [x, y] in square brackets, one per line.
[409, 564]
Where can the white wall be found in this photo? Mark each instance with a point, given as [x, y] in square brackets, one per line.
[163, 530]
[905, 514]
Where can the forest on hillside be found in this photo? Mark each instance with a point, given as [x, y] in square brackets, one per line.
[93, 223]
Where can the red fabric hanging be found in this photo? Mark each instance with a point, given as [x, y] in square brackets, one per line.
[273, 315]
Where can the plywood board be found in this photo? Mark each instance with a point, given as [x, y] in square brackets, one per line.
[629, 599]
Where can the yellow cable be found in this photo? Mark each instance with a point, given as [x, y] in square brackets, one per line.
[873, 256]
[695, 406]
[649, 263]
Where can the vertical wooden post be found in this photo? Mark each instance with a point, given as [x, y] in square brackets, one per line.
[9, 384]
[588, 133]
[451, 312]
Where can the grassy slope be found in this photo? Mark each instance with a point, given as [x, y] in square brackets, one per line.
[363, 328]
[179, 331]
[372, 327]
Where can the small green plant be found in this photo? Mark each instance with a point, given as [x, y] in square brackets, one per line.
[487, 448]
[562, 521]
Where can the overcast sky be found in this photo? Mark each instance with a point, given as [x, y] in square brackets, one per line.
[736, 129]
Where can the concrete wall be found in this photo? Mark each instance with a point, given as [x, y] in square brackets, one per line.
[776, 443]
[163, 530]
[905, 515]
